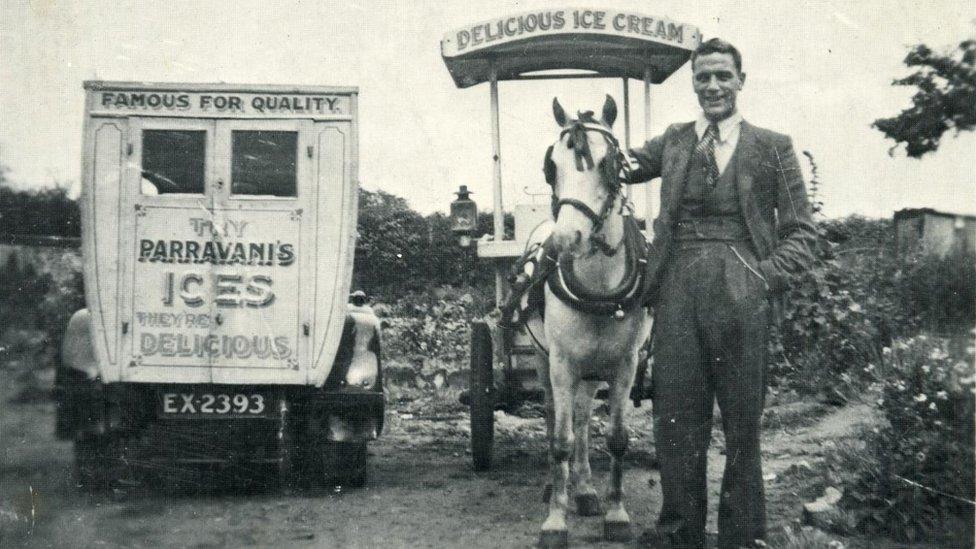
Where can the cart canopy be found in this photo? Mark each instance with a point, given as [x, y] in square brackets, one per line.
[604, 42]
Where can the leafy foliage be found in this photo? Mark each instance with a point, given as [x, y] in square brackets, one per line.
[21, 289]
[858, 297]
[34, 301]
[918, 475]
[940, 292]
[946, 98]
[834, 319]
[38, 212]
[429, 331]
[398, 250]
[391, 242]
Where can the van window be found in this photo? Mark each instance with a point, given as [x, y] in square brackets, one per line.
[173, 161]
[263, 163]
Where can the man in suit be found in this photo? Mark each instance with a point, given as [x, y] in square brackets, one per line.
[734, 224]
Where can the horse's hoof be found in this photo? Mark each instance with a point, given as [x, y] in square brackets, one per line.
[588, 505]
[617, 531]
[554, 539]
[547, 493]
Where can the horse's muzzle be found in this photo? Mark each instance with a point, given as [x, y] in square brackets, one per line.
[570, 242]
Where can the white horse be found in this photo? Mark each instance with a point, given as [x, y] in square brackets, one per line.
[595, 321]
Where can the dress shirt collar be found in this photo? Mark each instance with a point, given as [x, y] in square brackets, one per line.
[728, 129]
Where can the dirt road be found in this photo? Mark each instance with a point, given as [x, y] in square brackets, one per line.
[422, 491]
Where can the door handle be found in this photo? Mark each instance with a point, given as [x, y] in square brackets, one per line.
[219, 319]
[220, 183]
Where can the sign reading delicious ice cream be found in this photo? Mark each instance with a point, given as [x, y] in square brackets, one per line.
[561, 21]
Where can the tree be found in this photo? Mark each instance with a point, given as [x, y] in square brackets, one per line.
[946, 98]
[391, 244]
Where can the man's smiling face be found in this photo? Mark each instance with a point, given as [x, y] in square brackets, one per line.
[717, 81]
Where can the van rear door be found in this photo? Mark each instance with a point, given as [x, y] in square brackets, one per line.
[167, 204]
[264, 219]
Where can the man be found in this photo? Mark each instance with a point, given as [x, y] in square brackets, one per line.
[734, 224]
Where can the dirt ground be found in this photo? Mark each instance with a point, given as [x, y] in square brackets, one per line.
[422, 490]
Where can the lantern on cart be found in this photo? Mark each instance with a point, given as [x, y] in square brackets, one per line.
[464, 216]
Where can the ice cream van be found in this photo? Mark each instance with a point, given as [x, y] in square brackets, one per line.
[218, 233]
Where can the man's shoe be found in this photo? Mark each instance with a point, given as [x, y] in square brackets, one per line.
[663, 536]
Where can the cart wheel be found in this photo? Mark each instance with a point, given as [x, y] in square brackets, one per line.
[347, 463]
[482, 396]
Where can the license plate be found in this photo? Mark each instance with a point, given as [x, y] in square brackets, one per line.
[215, 404]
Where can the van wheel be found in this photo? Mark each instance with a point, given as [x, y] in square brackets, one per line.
[97, 462]
[346, 463]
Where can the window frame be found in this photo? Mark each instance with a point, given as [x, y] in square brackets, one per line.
[142, 124]
[225, 151]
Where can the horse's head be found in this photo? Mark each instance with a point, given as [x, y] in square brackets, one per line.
[583, 169]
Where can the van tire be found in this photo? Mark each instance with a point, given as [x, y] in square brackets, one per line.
[346, 463]
[97, 463]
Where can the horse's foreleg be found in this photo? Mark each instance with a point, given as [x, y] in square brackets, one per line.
[616, 521]
[587, 501]
[542, 371]
[555, 532]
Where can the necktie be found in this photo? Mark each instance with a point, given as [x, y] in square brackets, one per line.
[705, 152]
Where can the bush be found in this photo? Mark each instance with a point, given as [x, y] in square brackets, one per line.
[22, 288]
[918, 475]
[37, 300]
[39, 212]
[837, 313]
[940, 293]
[858, 298]
[429, 330]
[399, 251]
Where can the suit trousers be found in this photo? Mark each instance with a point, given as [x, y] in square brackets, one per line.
[711, 325]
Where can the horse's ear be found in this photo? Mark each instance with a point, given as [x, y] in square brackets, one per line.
[609, 111]
[549, 167]
[558, 112]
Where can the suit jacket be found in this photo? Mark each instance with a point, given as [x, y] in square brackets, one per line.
[772, 198]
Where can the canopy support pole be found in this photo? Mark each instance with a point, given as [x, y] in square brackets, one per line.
[628, 192]
[498, 216]
[651, 210]
[496, 150]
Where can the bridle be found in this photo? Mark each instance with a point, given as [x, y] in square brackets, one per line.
[614, 171]
[544, 264]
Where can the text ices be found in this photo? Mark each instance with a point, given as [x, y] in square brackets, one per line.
[228, 290]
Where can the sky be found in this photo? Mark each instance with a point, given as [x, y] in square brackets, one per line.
[820, 71]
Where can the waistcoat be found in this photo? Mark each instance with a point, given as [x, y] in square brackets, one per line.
[705, 213]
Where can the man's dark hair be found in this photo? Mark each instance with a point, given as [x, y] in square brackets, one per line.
[717, 45]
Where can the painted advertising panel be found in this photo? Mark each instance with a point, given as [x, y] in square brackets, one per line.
[216, 289]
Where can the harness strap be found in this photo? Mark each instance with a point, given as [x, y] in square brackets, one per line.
[629, 294]
[595, 218]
